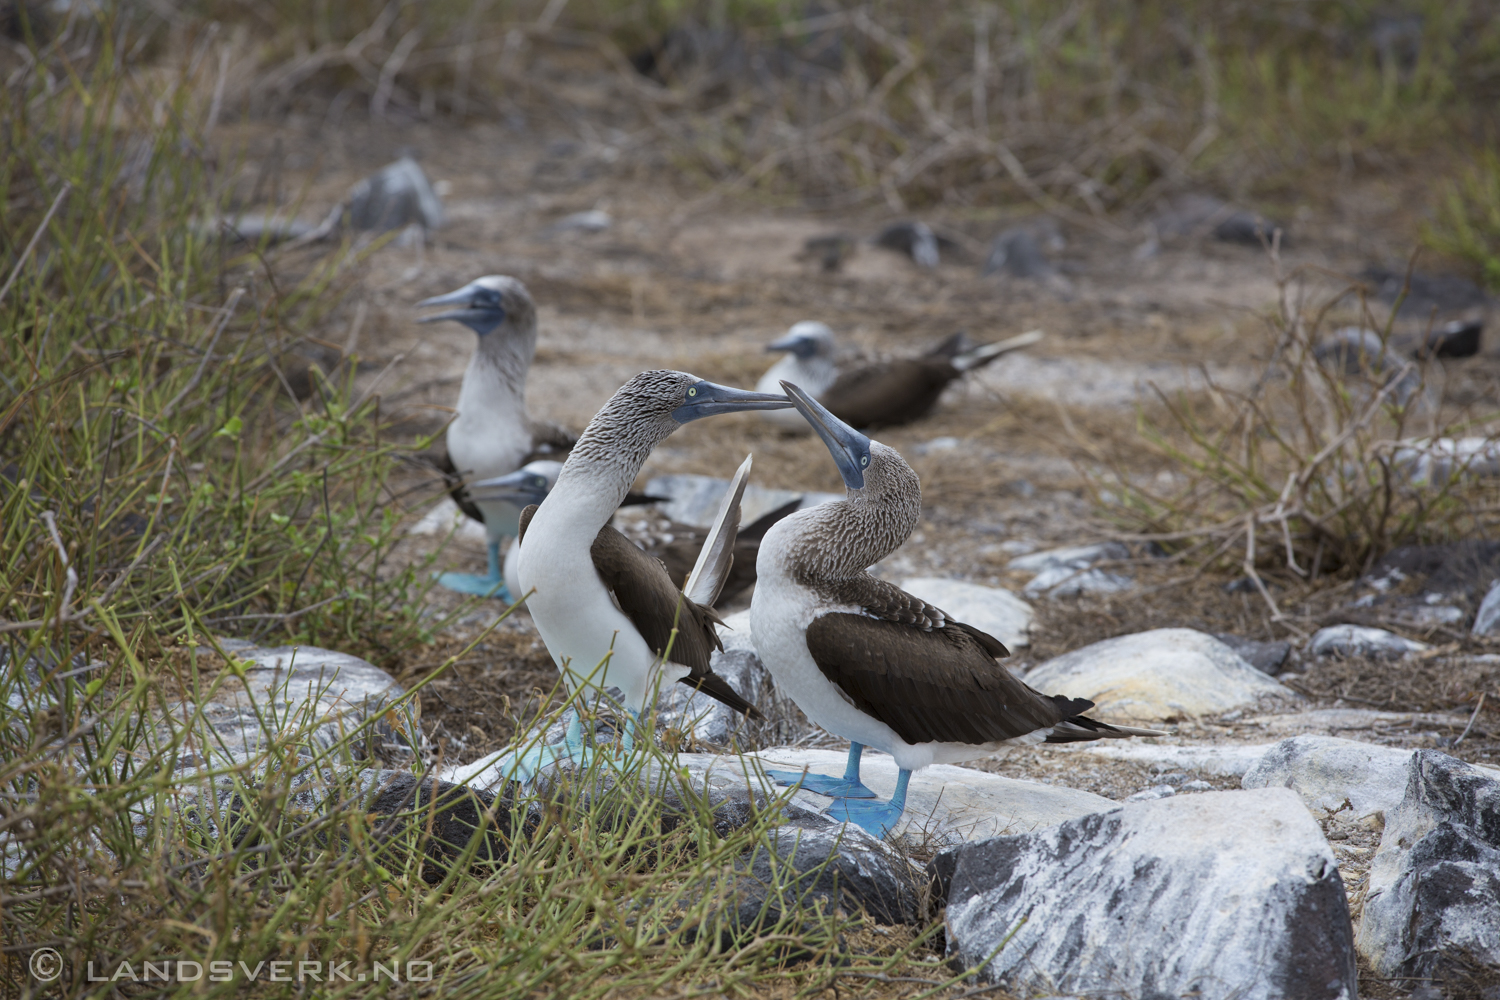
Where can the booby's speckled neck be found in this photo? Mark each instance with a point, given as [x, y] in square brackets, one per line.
[840, 540]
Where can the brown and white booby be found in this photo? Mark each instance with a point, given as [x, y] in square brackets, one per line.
[871, 663]
[675, 544]
[492, 434]
[880, 392]
[608, 613]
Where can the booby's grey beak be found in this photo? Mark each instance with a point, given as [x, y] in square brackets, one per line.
[527, 487]
[481, 311]
[850, 449]
[799, 345]
[705, 399]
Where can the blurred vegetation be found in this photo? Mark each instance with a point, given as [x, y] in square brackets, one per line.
[1468, 218]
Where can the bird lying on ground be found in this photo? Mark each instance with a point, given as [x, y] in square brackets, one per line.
[675, 544]
[492, 434]
[607, 611]
[874, 393]
[871, 663]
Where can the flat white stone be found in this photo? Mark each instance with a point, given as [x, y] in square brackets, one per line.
[1327, 771]
[1360, 640]
[989, 609]
[1069, 581]
[1072, 557]
[1162, 674]
[1216, 895]
[1228, 759]
[445, 517]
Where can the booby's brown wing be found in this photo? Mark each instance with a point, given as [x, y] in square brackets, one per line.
[648, 598]
[886, 393]
[456, 488]
[937, 684]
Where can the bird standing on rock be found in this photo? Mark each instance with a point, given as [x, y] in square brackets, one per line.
[871, 663]
[875, 393]
[607, 611]
[492, 435]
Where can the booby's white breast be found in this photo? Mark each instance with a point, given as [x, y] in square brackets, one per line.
[573, 610]
[780, 613]
[490, 436]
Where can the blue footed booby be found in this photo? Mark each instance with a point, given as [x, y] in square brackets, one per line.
[677, 545]
[492, 435]
[871, 663]
[608, 613]
[881, 392]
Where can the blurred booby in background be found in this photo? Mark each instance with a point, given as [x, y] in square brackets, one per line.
[874, 393]
[608, 613]
[492, 434]
[871, 663]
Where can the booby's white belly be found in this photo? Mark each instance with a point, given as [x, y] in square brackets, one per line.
[780, 612]
[580, 623]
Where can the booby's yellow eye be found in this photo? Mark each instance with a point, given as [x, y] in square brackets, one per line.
[693, 391]
[864, 460]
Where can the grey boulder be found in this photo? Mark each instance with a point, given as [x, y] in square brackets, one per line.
[1332, 774]
[1432, 904]
[1362, 640]
[1214, 895]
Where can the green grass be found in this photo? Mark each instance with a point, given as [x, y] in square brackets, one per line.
[160, 486]
[1467, 225]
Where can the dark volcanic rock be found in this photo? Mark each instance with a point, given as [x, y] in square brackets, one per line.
[1216, 895]
[1427, 293]
[1459, 339]
[1266, 657]
[1433, 902]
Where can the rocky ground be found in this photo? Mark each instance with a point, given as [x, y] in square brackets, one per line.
[1009, 465]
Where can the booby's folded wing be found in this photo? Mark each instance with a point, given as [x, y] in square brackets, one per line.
[454, 480]
[645, 593]
[936, 684]
[888, 392]
[886, 601]
[548, 440]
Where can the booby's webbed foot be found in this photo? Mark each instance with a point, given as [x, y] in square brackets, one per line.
[473, 583]
[878, 818]
[823, 784]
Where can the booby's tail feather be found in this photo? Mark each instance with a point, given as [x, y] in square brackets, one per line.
[718, 688]
[1080, 728]
[981, 356]
[716, 557]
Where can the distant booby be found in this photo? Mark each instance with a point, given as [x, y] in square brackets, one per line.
[606, 610]
[871, 663]
[677, 545]
[492, 435]
[874, 393]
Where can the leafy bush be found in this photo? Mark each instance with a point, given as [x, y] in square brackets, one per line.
[1468, 217]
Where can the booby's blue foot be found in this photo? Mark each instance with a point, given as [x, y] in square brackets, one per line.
[492, 584]
[823, 784]
[878, 818]
[847, 787]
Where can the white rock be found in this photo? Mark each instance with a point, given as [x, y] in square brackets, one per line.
[1488, 617]
[445, 517]
[990, 609]
[592, 221]
[1067, 581]
[1326, 771]
[1228, 759]
[1152, 793]
[1432, 900]
[1073, 557]
[1215, 895]
[1161, 674]
[1360, 640]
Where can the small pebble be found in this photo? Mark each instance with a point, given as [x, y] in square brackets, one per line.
[1196, 786]
[1154, 792]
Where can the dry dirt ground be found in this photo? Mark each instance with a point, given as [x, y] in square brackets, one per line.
[700, 283]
